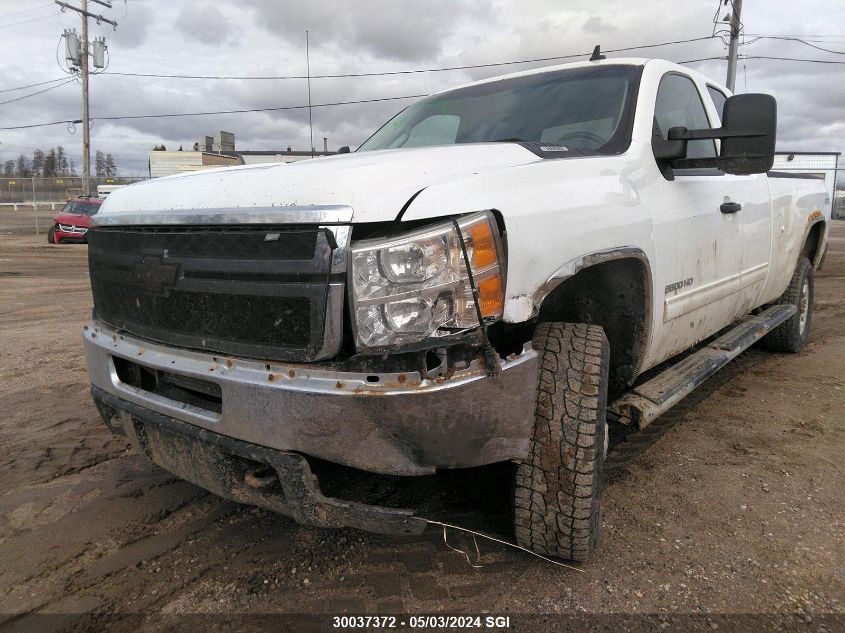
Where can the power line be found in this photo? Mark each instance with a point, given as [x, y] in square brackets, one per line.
[40, 83]
[812, 38]
[370, 74]
[185, 114]
[337, 103]
[408, 72]
[793, 59]
[38, 8]
[32, 94]
[702, 59]
[795, 39]
[45, 17]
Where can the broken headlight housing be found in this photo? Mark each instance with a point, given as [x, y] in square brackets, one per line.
[415, 286]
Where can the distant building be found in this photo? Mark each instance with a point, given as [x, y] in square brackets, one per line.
[219, 151]
[167, 163]
[824, 163]
[839, 204]
[221, 143]
[288, 155]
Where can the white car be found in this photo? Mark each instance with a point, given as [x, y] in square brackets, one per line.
[486, 279]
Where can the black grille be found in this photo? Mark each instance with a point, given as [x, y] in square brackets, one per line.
[246, 291]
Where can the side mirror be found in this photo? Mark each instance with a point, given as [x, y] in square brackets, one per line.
[749, 126]
[343, 150]
[752, 121]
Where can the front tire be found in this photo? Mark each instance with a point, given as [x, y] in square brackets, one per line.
[51, 235]
[791, 336]
[557, 494]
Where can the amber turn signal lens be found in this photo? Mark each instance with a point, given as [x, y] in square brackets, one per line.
[483, 245]
[491, 296]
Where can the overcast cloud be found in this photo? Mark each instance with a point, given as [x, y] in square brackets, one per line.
[267, 37]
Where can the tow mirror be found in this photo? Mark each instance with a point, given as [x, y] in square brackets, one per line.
[752, 118]
[748, 132]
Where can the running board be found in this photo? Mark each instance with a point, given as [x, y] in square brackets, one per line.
[642, 405]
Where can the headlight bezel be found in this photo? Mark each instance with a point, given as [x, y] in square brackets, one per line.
[454, 284]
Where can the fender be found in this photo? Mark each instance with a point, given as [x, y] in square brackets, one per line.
[582, 262]
[816, 217]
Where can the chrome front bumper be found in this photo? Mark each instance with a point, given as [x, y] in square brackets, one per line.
[391, 423]
[72, 228]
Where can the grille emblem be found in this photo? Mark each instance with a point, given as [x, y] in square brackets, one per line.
[155, 274]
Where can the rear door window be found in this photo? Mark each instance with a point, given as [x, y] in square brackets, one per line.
[719, 99]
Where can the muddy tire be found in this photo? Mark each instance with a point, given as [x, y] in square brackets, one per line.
[792, 334]
[557, 492]
[51, 235]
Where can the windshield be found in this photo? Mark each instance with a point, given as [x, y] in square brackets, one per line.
[589, 109]
[81, 208]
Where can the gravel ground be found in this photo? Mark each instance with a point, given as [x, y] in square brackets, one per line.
[736, 508]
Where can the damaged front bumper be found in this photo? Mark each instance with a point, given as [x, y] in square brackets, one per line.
[389, 423]
[228, 468]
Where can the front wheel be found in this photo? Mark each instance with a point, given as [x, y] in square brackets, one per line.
[792, 334]
[51, 235]
[557, 493]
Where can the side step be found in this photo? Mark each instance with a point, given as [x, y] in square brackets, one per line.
[642, 405]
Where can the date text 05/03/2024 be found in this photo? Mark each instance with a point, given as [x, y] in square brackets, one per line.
[421, 621]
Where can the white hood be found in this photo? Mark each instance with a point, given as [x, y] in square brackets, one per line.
[375, 184]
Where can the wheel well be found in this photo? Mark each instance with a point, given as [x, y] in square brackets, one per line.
[614, 295]
[810, 249]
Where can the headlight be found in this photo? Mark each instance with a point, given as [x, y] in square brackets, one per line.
[416, 286]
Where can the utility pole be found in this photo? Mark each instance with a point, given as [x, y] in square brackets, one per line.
[310, 120]
[83, 71]
[86, 124]
[736, 25]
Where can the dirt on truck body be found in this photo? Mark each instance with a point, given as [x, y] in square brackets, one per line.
[737, 510]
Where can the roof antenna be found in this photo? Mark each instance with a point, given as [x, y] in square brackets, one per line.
[597, 56]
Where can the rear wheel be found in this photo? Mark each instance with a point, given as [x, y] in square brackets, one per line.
[792, 334]
[557, 494]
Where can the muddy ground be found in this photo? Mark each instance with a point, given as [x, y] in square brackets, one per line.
[736, 508]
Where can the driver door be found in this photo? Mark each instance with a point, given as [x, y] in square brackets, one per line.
[711, 229]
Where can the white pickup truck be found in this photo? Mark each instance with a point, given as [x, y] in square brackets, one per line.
[497, 274]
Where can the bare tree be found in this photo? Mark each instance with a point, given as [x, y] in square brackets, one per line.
[37, 164]
[61, 161]
[99, 164]
[49, 169]
[111, 168]
[9, 169]
[23, 168]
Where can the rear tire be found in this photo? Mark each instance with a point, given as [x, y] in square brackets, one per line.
[792, 334]
[557, 493]
[51, 235]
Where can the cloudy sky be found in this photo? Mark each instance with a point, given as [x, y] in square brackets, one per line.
[267, 37]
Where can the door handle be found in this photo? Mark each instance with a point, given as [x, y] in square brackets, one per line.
[730, 207]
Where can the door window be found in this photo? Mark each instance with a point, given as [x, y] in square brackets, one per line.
[679, 104]
[719, 99]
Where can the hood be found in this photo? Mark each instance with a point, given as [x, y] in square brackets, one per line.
[73, 218]
[375, 184]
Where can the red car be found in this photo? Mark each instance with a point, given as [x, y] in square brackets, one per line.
[72, 224]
